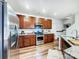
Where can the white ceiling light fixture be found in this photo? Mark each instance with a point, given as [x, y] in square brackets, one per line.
[44, 11]
[27, 6]
[55, 14]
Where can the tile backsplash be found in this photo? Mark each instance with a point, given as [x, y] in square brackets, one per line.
[26, 30]
[32, 30]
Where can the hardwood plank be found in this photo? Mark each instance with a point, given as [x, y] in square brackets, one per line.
[35, 52]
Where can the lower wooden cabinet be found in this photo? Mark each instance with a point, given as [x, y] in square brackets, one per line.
[48, 38]
[20, 41]
[45, 38]
[30, 40]
[26, 40]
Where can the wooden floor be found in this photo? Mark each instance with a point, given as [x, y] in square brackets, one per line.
[33, 52]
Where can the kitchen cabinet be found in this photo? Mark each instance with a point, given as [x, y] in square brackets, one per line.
[42, 22]
[49, 23]
[45, 38]
[32, 40]
[26, 40]
[21, 21]
[20, 41]
[30, 22]
[26, 23]
[29, 40]
[48, 38]
[46, 23]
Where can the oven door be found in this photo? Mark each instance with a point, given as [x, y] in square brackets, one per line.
[39, 40]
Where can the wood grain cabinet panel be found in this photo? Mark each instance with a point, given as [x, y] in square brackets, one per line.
[33, 40]
[45, 38]
[42, 22]
[20, 42]
[48, 38]
[30, 23]
[26, 23]
[46, 23]
[26, 41]
[21, 21]
[49, 23]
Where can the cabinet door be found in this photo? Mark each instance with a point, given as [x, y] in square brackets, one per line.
[49, 23]
[50, 37]
[26, 41]
[26, 25]
[20, 42]
[32, 21]
[45, 39]
[32, 40]
[42, 21]
[46, 23]
[21, 21]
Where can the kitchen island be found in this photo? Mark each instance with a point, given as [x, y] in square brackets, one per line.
[73, 49]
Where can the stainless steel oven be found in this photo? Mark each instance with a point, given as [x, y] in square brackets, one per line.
[39, 34]
[39, 39]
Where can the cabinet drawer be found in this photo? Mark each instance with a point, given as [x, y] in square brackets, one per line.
[20, 42]
[26, 42]
[48, 38]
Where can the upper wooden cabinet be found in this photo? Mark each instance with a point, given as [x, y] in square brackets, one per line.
[26, 23]
[49, 23]
[46, 23]
[21, 21]
[32, 21]
[29, 23]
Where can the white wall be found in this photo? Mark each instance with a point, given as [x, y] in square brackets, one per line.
[77, 21]
[57, 25]
[12, 17]
[71, 31]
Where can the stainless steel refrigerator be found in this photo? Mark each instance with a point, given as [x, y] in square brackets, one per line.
[3, 19]
[0, 30]
[12, 28]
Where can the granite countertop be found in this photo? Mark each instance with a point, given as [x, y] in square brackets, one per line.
[75, 42]
[26, 34]
[48, 33]
[31, 34]
[73, 51]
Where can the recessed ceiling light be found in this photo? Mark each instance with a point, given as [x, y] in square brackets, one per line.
[27, 6]
[55, 14]
[44, 11]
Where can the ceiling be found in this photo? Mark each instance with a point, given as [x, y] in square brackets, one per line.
[46, 8]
